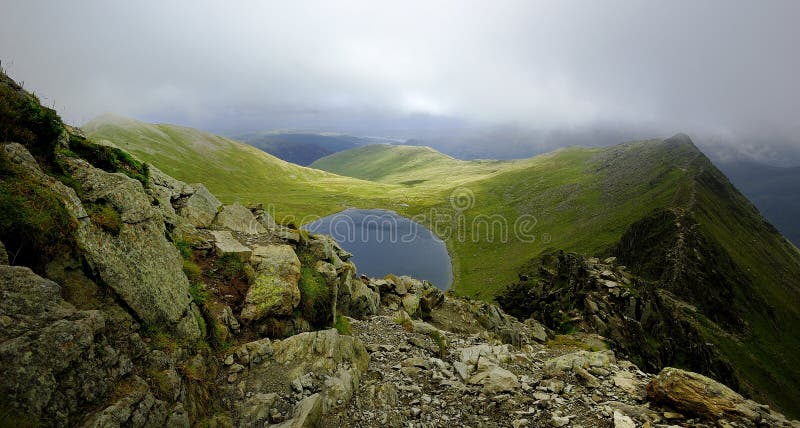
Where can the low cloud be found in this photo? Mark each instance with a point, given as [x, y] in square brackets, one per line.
[724, 72]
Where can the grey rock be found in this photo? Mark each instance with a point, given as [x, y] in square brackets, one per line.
[225, 243]
[142, 267]
[200, 208]
[256, 410]
[411, 304]
[536, 330]
[48, 368]
[137, 409]
[275, 291]
[364, 301]
[307, 413]
[237, 218]
[494, 379]
[623, 421]
[584, 359]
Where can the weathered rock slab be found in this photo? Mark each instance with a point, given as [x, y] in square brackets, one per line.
[201, 207]
[225, 243]
[275, 291]
[237, 219]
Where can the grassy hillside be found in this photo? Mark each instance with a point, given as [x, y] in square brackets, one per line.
[237, 172]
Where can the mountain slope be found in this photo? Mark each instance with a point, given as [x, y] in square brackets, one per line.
[415, 165]
[234, 171]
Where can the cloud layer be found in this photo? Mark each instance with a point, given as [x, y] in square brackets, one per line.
[724, 70]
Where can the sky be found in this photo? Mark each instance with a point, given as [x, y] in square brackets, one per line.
[725, 72]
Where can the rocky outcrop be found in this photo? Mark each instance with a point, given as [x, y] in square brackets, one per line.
[136, 260]
[200, 208]
[226, 244]
[309, 374]
[568, 292]
[275, 291]
[695, 394]
[54, 360]
[124, 243]
[237, 218]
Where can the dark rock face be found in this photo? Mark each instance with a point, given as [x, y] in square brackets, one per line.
[570, 292]
[667, 247]
[55, 359]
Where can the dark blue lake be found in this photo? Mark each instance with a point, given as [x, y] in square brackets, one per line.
[384, 242]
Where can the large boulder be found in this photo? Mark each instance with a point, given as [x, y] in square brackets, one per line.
[579, 359]
[324, 247]
[494, 379]
[363, 300]
[324, 361]
[136, 261]
[167, 190]
[237, 219]
[320, 350]
[696, 394]
[200, 208]
[275, 291]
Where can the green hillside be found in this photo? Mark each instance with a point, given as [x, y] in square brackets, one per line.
[237, 172]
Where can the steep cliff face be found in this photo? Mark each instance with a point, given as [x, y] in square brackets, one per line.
[652, 326]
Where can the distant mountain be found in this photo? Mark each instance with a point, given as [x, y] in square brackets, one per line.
[304, 148]
[774, 190]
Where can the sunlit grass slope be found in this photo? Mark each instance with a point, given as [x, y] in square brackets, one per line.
[237, 172]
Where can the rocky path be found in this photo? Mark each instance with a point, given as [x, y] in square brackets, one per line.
[474, 382]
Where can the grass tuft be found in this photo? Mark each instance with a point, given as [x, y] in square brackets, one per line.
[105, 216]
[343, 325]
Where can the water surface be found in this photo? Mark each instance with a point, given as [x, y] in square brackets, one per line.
[384, 242]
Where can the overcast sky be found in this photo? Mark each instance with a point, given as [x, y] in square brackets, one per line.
[725, 72]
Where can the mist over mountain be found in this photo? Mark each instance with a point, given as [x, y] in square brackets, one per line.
[728, 77]
[303, 148]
